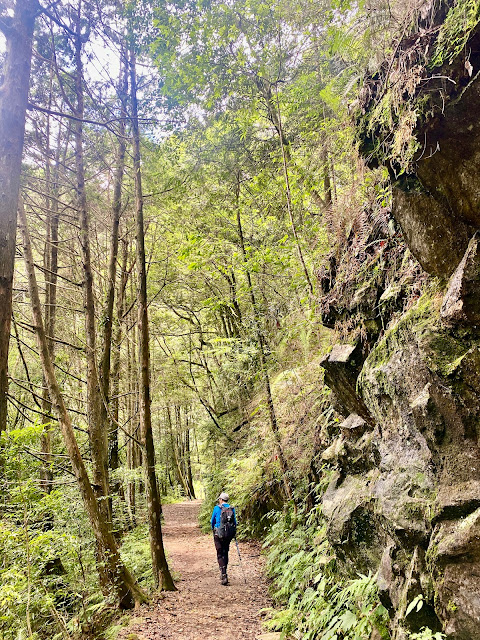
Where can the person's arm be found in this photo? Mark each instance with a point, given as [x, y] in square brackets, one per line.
[234, 515]
[212, 519]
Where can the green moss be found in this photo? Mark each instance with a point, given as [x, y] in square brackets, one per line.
[442, 351]
[451, 606]
[454, 33]
[388, 125]
[416, 320]
[412, 510]
[431, 556]
[416, 510]
[420, 478]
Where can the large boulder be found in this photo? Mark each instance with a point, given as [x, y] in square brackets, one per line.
[353, 527]
[434, 236]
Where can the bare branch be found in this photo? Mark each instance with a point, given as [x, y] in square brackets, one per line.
[53, 18]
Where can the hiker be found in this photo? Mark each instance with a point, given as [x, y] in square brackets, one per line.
[224, 527]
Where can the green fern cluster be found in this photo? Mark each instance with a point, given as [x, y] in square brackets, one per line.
[317, 602]
[462, 18]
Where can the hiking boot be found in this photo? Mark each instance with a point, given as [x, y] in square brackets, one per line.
[224, 577]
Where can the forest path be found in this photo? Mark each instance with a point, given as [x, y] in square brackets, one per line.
[202, 608]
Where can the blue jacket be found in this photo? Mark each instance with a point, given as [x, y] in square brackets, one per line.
[216, 515]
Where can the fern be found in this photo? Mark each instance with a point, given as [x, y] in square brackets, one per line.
[316, 603]
[462, 18]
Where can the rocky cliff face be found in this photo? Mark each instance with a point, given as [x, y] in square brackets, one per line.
[405, 498]
[405, 494]
[438, 206]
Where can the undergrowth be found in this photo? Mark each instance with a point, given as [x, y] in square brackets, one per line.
[48, 573]
[315, 602]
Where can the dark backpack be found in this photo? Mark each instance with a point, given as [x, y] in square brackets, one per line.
[227, 529]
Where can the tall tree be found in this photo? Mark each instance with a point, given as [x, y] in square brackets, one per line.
[272, 416]
[160, 567]
[96, 427]
[113, 458]
[18, 31]
[105, 361]
[50, 263]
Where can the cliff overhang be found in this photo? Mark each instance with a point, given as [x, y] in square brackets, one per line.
[418, 116]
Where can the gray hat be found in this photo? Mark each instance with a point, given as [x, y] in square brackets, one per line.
[223, 496]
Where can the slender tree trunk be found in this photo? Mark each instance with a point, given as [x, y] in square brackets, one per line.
[176, 461]
[13, 104]
[180, 445]
[51, 273]
[327, 184]
[334, 181]
[236, 316]
[96, 427]
[131, 444]
[160, 567]
[51, 264]
[285, 158]
[127, 590]
[263, 360]
[113, 431]
[108, 426]
[188, 458]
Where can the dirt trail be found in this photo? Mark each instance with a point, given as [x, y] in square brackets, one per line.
[202, 608]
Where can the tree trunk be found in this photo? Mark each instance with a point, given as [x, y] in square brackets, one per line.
[51, 264]
[188, 458]
[160, 567]
[50, 261]
[285, 157]
[327, 184]
[13, 104]
[96, 427]
[127, 590]
[263, 361]
[178, 469]
[131, 444]
[111, 429]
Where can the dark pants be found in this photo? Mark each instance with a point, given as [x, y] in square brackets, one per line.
[222, 546]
